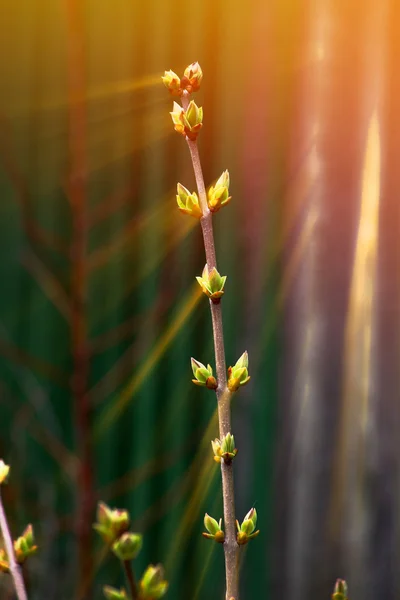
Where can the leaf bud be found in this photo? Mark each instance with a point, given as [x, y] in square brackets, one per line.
[128, 546]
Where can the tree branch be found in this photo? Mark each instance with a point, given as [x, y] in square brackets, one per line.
[130, 576]
[14, 566]
[231, 548]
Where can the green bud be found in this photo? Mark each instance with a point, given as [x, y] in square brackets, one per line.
[228, 443]
[212, 284]
[211, 383]
[25, 546]
[238, 374]
[218, 194]
[152, 584]
[219, 537]
[4, 472]
[190, 81]
[242, 538]
[252, 516]
[111, 523]
[29, 536]
[188, 203]
[177, 116]
[340, 590]
[194, 114]
[243, 361]
[203, 375]
[211, 524]
[224, 449]
[246, 529]
[214, 529]
[128, 546]
[223, 180]
[4, 564]
[113, 594]
[172, 83]
[192, 77]
[216, 446]
[188, 123]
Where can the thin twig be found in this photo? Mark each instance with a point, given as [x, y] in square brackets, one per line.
[130, 576]
[224, 396]
[14, 566]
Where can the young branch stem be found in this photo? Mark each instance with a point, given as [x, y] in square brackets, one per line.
[130, 576]
[15, 569]
[231, 548]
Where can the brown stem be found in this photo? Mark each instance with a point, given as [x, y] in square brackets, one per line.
[231, 548]
[14, 566]
[130, 576]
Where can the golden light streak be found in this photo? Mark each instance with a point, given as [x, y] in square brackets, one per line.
[119, 404]
[307, 339]
[297, 195]
[100, 92]
[112, 141]
[204, 571]
[355, 409]
[296, 257]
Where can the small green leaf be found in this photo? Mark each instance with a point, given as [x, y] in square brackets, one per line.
[202, 375]
[211, 524]
[152, 584]
[340, 591]
[113, 594]
[128, 546]
[243, 361]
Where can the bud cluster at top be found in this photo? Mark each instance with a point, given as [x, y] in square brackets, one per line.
[190, 81]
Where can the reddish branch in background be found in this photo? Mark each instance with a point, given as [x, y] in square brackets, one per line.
[76, 188]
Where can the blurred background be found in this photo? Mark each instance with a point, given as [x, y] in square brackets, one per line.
[100, 312]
